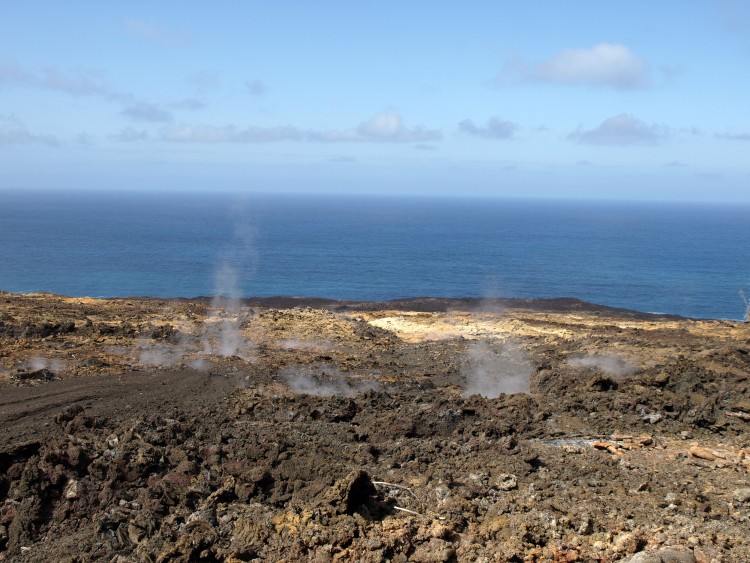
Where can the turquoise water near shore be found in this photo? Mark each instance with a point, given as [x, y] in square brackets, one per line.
[687, 259]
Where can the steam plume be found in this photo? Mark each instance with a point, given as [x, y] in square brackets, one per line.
[222, 334]
[325, 382]
[609, 364]
[38, 363]
[494, 370]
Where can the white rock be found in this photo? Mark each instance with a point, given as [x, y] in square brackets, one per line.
[742, 495]
[652, 418]
[72, 490]
[506, 482]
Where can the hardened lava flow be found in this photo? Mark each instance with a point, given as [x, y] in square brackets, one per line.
[418, 430]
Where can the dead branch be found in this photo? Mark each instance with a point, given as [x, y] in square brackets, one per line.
[407, 511]
[386, 484]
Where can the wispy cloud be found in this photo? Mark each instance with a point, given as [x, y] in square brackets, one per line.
[670, 72]
[189, 104]
[709, 175]
[496, 128]
[12, 75]
[84, 82]
[735, 15]
[129, 135]
[13, 132]
[385, 127]
[144, 111]
[201, 83]
[734, 136]
[77, 82]
[693, 131]
[156, 33]
[621, 129]
[229, 134]
[256, 87]
[203, 80]
[85, 140]
[603, 65]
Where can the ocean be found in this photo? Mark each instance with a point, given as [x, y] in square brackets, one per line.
[685, 259]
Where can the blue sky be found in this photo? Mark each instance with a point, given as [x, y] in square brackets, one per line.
[643, 100]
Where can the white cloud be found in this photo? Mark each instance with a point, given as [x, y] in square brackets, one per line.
[386, 127]
[13, 132]
[606, 65]
[144, 111]
[496, 128]
[621, 129]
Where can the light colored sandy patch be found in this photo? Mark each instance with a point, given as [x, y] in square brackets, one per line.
[297, 344]
[421, 327]
[439, 326]
[86, 300]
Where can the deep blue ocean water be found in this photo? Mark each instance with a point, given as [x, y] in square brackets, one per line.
[687, 259]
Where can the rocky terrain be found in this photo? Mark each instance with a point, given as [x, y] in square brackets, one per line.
[421, 430]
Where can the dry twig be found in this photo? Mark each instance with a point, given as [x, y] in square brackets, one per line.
[407, 511]
[386, 484]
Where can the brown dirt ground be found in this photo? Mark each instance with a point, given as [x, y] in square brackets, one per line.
[313, 430]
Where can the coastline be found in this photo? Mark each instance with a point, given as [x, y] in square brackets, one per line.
[418, 304]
